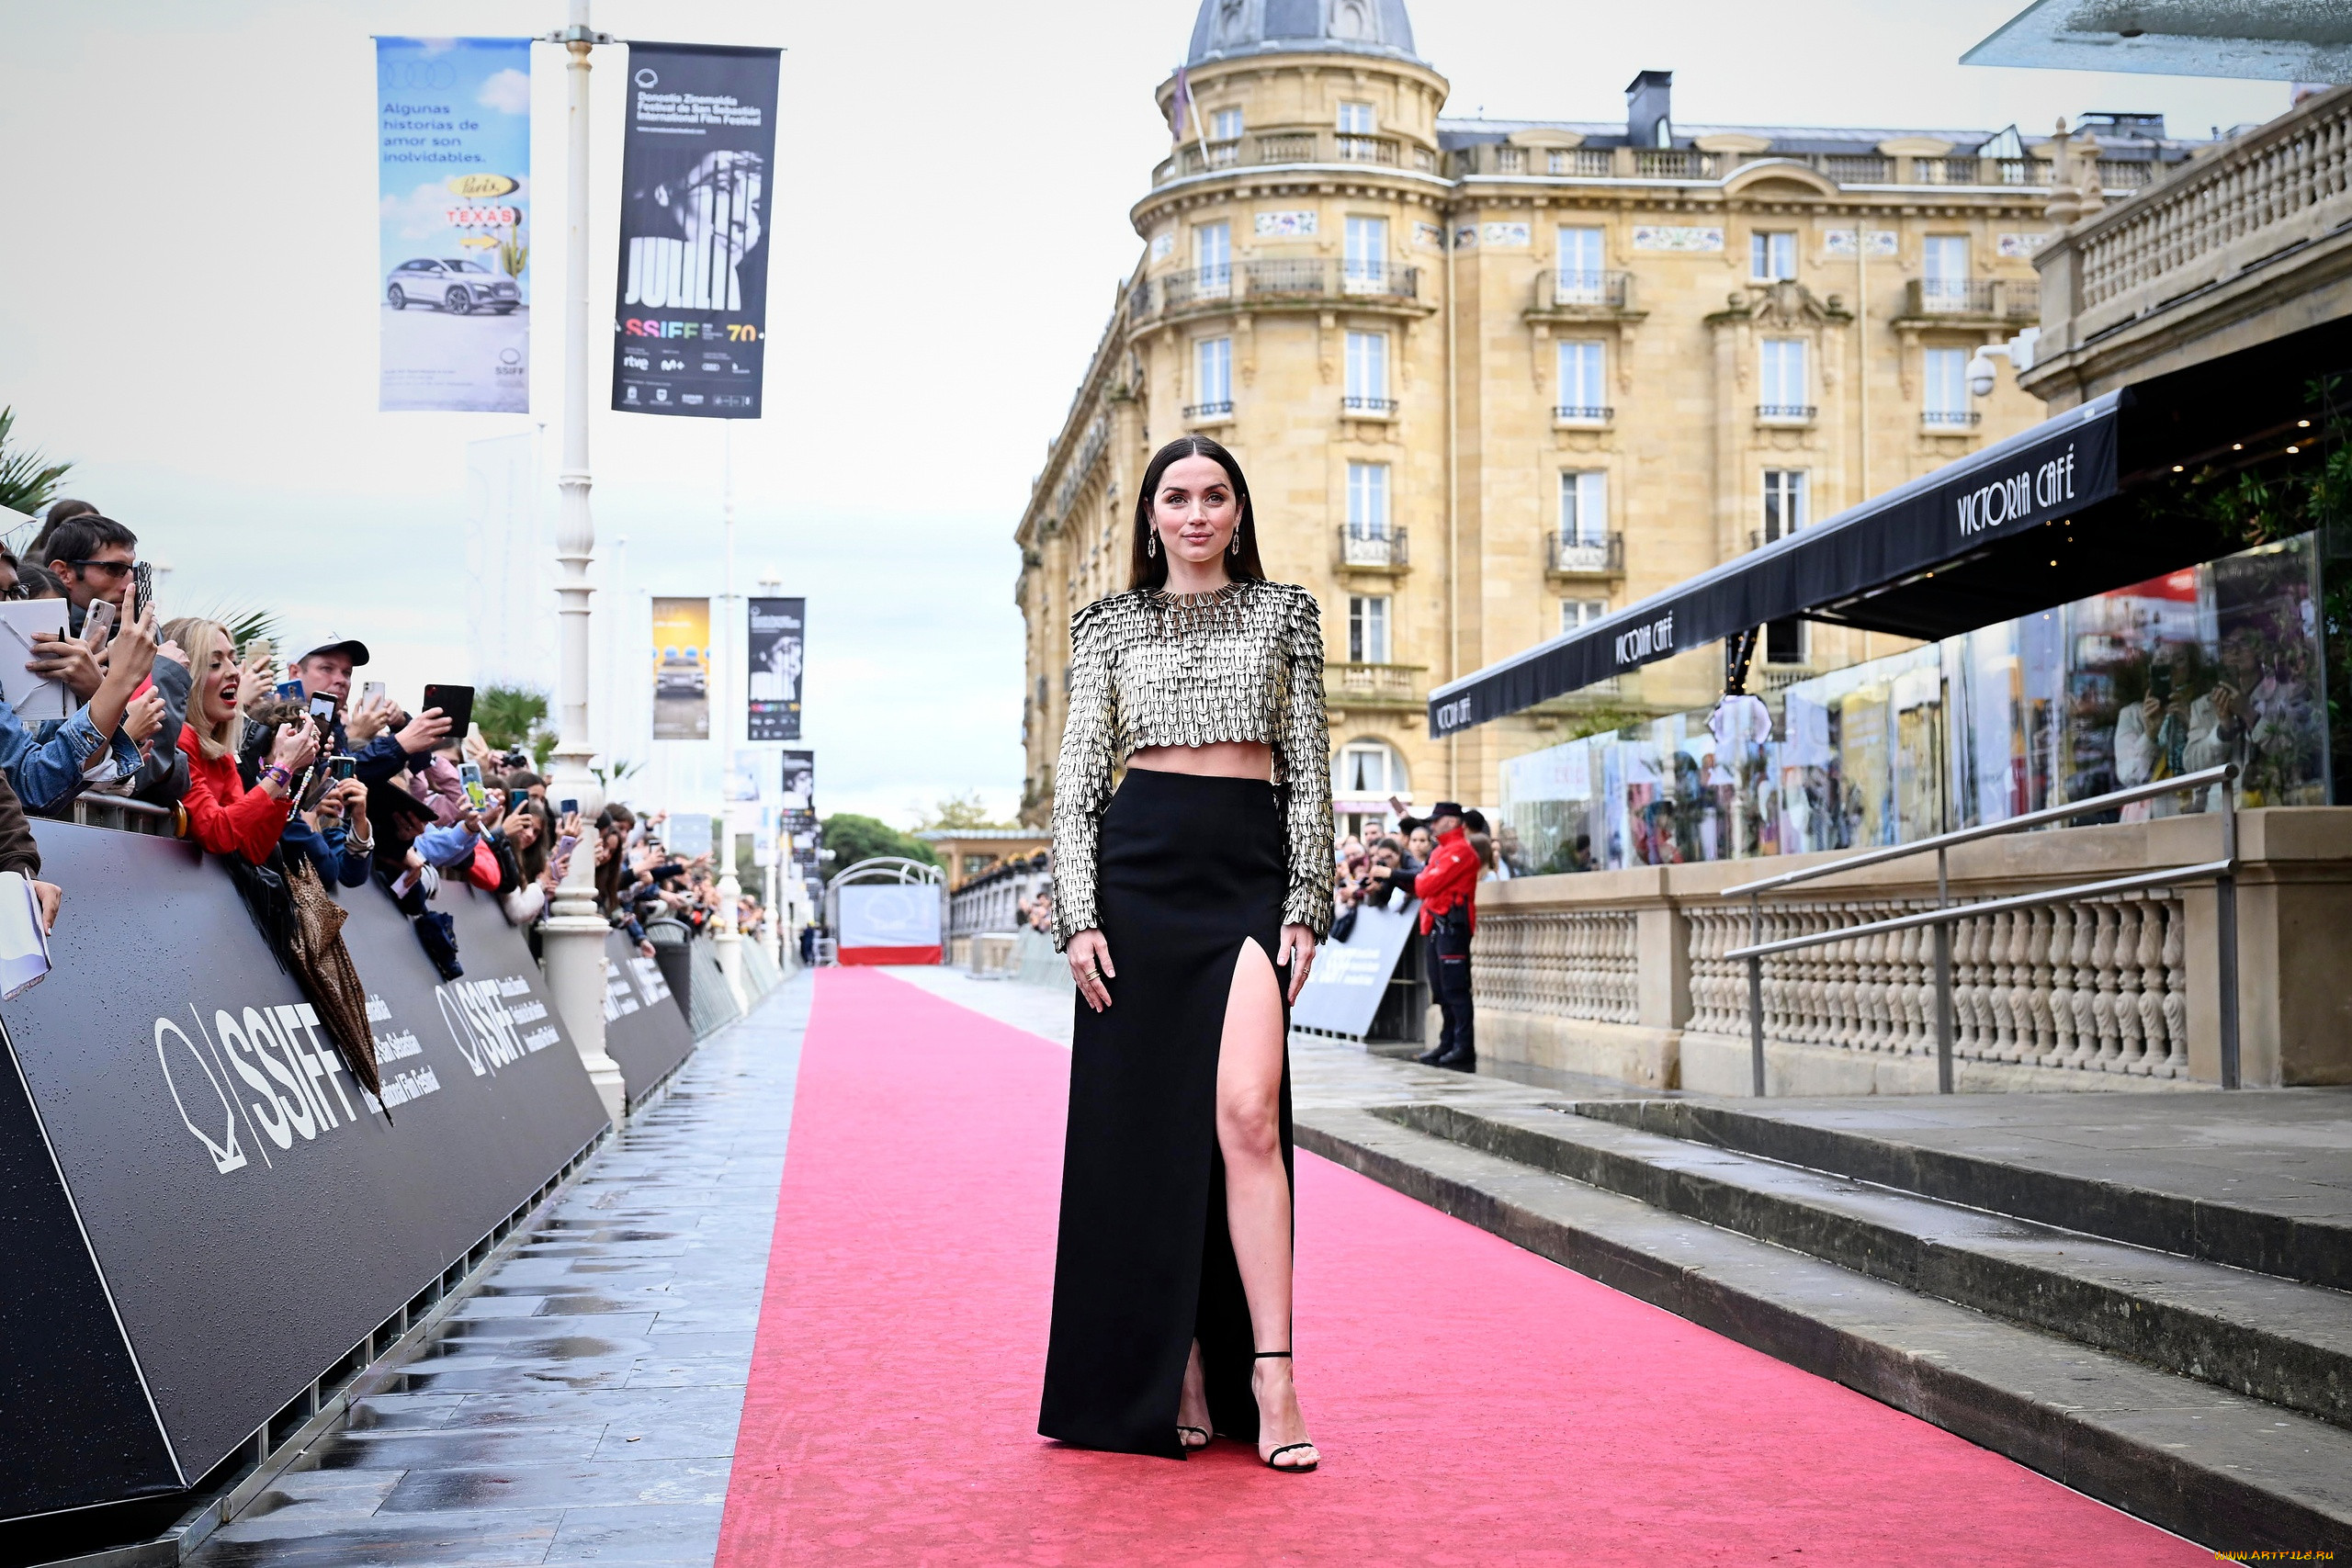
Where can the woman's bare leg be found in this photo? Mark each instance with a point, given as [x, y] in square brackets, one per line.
[1192, 1403]
[1257, 1188]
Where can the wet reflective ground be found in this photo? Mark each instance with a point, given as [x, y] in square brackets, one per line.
[583, 1407]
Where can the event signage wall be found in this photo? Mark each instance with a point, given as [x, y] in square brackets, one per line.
[775, 651]
[452, 285]
[680, 668]
[691, 334]
[207, 1210]
[1344, 991]
[645, 1026]
[890, 922]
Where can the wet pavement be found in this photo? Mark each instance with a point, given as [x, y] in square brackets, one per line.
[583, 1407]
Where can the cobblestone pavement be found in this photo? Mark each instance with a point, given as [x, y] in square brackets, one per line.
[583, 1407]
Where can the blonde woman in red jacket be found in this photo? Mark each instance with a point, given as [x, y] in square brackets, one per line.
[222, 814]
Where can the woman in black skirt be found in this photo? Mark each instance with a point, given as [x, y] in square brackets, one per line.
[1188, 903]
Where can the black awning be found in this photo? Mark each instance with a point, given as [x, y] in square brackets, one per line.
[1873, 566]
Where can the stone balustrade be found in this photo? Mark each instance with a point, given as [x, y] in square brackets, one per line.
[1624, 973]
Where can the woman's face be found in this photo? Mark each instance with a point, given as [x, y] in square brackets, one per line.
[1195, 510]
[522, 830]
[1421, 842]
[219, 686]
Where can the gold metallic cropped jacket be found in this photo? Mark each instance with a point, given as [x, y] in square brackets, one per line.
[1153, 668]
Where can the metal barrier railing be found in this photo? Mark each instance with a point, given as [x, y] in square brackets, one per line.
[1946, 914]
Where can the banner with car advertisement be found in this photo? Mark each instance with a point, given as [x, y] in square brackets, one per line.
[452, 131]
[690, 332]
[680, 668]
[774, 649]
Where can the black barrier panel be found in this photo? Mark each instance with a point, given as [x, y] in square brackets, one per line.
[645, 1035]
[249, 1218]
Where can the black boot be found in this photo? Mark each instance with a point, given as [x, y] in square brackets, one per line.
[1433, 1057]
[1460, 1061]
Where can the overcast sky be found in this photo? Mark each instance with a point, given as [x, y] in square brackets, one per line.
[188, 287]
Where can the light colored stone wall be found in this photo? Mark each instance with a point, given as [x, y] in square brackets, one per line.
[2119, 993]
[1683, 450]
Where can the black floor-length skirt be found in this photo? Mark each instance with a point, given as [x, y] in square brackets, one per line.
[1189, 869]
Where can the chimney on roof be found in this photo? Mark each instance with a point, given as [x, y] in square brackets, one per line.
[1650, 119]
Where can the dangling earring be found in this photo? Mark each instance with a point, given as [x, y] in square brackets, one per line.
[1151, 543]
[1235, 548]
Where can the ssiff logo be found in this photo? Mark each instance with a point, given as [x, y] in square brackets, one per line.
[291, 1073]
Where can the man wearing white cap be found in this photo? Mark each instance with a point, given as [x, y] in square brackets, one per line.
[324, 669]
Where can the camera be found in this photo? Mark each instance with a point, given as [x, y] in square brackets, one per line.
[341, 767]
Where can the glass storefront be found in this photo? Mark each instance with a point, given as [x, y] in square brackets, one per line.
[2216, 663]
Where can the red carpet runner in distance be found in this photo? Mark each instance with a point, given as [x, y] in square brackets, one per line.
[1477, 1405]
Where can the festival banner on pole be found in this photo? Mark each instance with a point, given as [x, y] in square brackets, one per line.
[453, 128]
[690, 329]
[774, 649]
[680, 668]
[798, 801]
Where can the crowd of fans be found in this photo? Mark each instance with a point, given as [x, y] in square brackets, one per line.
[297, 782]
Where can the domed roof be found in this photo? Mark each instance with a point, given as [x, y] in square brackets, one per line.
[1230, 28]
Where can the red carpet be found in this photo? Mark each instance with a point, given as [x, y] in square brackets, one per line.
[1477, 1404]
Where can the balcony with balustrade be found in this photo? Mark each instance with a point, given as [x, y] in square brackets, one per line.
[2250, 243]
[2009, 302]
[1276, 282]
[1278, 146]
[1373, 687]
[2117, 176]
[1583, 556]
[1372, 549]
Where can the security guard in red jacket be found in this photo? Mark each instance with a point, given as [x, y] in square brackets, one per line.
[1448, 889]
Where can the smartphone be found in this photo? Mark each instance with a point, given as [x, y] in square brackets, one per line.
[323, 709]
[143, 578]
[457, 703]
[469, 775]
[97, 623]
[373, 692]
[564, 844]
[340, 768]
[566, 807]
[289, 691]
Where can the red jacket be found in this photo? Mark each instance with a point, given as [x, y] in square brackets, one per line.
[1449, 880]
[222, 814]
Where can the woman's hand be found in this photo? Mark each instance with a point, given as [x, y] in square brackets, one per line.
[295, 746]
[144, 717]
[1090, 966]
[48, 895]
[1298, 952]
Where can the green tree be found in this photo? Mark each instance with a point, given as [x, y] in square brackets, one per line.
[965, 811]
[850, 839]
[27, 480]
[509, 715]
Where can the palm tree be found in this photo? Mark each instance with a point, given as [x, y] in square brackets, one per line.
[27, 480]
[508, 715]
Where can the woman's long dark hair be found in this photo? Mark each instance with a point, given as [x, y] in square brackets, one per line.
[1150, 569]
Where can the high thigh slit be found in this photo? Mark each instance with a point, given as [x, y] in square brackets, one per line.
[1189, 869]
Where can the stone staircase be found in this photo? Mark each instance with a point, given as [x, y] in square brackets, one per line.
[2156, 1343]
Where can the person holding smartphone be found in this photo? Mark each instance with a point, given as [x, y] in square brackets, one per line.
[223, 814]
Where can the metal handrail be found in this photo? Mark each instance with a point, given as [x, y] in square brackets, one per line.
[1989, 830]
[1946, 914]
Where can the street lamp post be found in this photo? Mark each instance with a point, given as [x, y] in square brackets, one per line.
[727, 932]
[576, 932]
[772, 929]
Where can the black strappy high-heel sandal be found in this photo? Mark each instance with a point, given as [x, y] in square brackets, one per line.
[1268, 1460]
[1192, 1448]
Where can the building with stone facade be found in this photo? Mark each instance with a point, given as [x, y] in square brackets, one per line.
[1490, 379]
